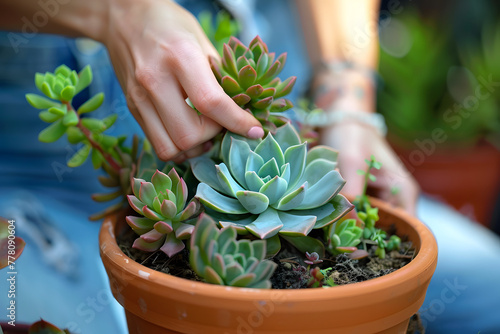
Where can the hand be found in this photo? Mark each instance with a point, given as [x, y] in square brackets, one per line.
[357, 142]
[160, 55]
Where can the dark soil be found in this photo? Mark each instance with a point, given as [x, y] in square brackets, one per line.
[292, 272]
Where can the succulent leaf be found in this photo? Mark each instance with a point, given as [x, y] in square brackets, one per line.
[219, 258]
[167, 218]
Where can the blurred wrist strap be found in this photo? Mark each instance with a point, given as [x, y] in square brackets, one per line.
[339, 67]
[322, 118]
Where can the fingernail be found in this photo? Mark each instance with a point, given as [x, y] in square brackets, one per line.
[255, 132]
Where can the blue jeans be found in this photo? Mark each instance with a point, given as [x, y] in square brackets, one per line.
[463, 297]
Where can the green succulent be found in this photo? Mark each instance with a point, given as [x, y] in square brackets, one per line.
[166, 219]
[272, 185]
[249, 76]
[219, 258]
[369, 216]
[343, 235]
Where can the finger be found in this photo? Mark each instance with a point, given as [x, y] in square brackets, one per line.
[145, 113]
[192, 69]
[184, 126]
[194, 152]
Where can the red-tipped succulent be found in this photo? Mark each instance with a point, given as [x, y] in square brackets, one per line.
[166, 219]
[250, 76]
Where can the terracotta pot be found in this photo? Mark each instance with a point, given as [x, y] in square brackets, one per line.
[468, 179]
[158, 303]
[18, 329]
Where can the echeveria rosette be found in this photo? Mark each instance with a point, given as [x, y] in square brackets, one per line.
[166, 219]
[272, 185]
[219, 258]
[250, 76]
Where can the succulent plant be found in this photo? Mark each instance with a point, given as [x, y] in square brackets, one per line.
[344, 236]
[272, 185]
[249, 76]
[219, 258]
[166, 219]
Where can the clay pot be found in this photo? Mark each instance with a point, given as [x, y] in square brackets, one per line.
[468, 179]
[158, 303]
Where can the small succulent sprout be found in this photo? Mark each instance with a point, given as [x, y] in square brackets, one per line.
[344, 236]
[166, 219]
[317, 277]
[272, 185]
[250, 76]
[216, 256]
[11, 246]
[393, 243]
[369, 217]
[312, 258]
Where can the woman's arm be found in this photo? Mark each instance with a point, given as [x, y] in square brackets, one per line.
[342, 40]
[160, 55]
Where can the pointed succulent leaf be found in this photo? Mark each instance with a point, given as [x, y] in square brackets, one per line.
[41, 102]
[184, 231]
[152, 236]
[204, 170]
[262, 64]
[84, 79]
[322, 152]
[140, 225]
[60, 110]
[238, 157]
[266, 225]
[93, 124]
[80, 156]
[285, 87]
[254, 163]
[151, 214]
[269, 149]
[263, 103]
[191, 210]
[92, 104]
[280, 105]
[242, 61]
[67, 93]
[253, 181]
[268, 92]
[70, 119]
[135, 204]
[270, 169]
[147, 193]
[172, 245]
[323, 190]
[218, 202]
[293, 199]
[230, 86]
[241, 99]
[231, 187]
[146, 246]
[75, 135]
[161, 181]
[48, 117]
[254, 91]
[253, 202]
[295, 157]
[274, 189]
[294, 225]
[164, 227]
[168, 209]
[53, 132]
[247, 76]
[229, 61]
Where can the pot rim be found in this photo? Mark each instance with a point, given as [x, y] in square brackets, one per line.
[422, 264]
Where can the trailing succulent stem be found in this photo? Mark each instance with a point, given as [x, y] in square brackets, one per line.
[105, 151]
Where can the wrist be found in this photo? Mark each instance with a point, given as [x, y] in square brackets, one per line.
[343, 86]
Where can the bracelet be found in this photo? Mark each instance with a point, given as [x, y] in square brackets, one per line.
[321, 118]
[338, 67]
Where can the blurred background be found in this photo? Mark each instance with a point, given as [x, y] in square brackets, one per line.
[440, 94]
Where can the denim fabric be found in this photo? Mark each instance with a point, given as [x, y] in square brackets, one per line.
[464, 295]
